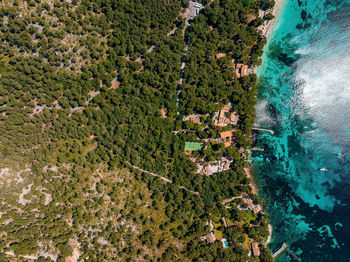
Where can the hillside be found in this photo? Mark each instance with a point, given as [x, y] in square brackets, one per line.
[99, 102]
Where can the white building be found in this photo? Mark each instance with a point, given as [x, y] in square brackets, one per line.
[217, 166]
[195, 8]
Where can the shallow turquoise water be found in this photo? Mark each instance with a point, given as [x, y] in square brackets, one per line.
[305, 98]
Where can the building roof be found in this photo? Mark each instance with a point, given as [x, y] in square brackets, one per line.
[207, 170]
[198, 5]
[244, 70]
[226, 137]
[255, 249]
[193, 146]
[221, 118]
[226, 165]
[195, 8]
[194, 118]
[234, 117]
[216, 167]
[241, 70]
[220, 55]
[225, 134]
[257, 209]
[249, 203]
[222, 114]
[210, 238]
[251, 206]
[163, 112]
[228, 143]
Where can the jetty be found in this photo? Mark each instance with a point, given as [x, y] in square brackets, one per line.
[293, 255]
[279, 251]
[283, 248]
[264, 129]
[256, 149]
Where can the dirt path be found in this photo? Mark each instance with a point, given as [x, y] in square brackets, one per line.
[150, 173]
[187, 15]
[162, 178]
[33, 257]
[182, 70]
[225, 201]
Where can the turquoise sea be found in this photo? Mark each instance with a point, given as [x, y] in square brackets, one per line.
[304, 171]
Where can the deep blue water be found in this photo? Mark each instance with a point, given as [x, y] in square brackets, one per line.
[304, 96]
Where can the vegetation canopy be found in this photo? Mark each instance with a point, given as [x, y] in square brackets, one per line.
[97, 158]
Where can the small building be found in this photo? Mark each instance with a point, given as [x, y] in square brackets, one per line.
[209, 238]
[226, 116]
[195, 8]
[256, 209]
[226, 164]
[192, 159]
[255, 249]
[233, 64]
[193, 146]
[214, 167]
[226, 137]
[194, 118]
[163, 112]
[224, 243]
[250, 205]
[220, 55]
[241, 70]
[198, 7]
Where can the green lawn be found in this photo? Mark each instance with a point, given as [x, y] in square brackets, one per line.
[193, 146]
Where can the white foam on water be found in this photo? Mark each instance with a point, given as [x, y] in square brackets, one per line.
[324, 77]
[326, 83]
[263, 118]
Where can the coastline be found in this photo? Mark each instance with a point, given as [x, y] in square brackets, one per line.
[266, 28]
[286, 191]
[270, 228]
[249, 172]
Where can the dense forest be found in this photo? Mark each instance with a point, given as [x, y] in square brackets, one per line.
[90, 108]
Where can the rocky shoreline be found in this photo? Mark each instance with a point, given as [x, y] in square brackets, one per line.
[266, 30]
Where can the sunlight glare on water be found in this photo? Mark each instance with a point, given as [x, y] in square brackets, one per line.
[304, 96]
